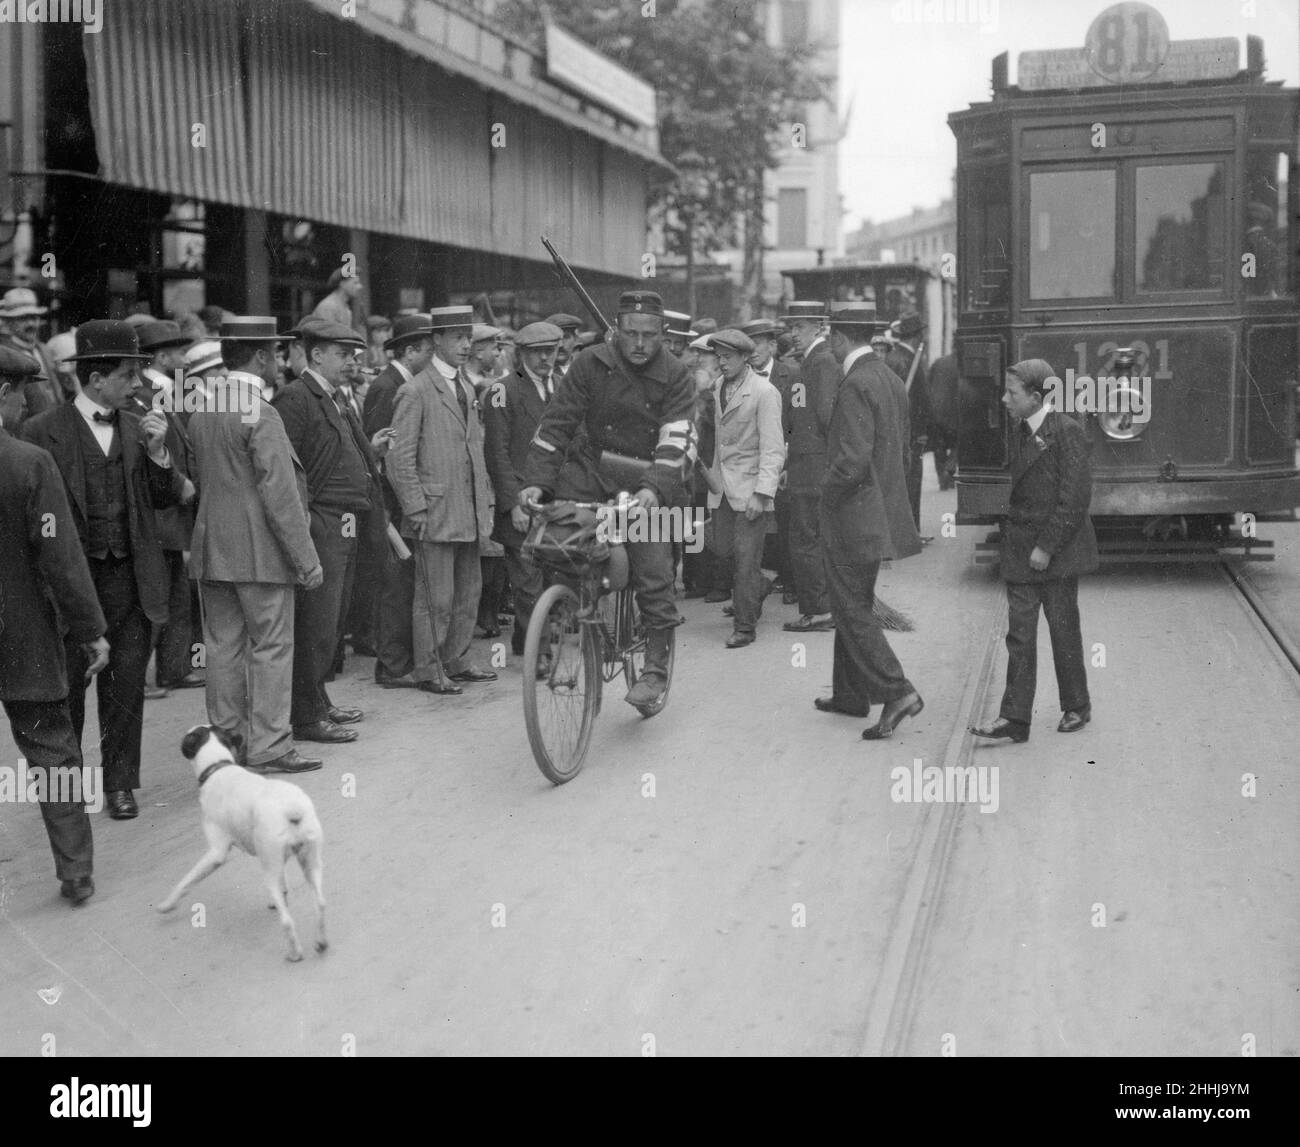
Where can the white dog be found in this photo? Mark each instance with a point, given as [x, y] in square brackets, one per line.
[271, 820]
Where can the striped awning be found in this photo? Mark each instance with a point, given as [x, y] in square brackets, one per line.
[167, 100]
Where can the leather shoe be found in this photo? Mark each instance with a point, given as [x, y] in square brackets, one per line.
[830, 705]
[291, 762]
[121, 805]
[388, 681]
[189, 681]
[1003, 730]
[893, 712]
[696, 592]
[1072, 720]
[728, 611]
[326, 732]
[811, 623]
[474, 675]
[345, 716]
[439, 687]
[716, 595]
[739, 640]
[154, 692]
[78, 891]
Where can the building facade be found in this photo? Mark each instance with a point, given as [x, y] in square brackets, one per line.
[235, 153]
[923, 237]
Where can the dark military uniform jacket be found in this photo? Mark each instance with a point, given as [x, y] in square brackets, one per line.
[1051, 489]
[645, 414]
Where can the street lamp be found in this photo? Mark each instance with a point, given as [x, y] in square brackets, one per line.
[693, 189]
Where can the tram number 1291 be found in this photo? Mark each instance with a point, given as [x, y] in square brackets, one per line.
[1106, 354]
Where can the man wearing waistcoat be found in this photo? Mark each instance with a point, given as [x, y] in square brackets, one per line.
[117, 471]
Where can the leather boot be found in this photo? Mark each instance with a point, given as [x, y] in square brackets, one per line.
[654, 676]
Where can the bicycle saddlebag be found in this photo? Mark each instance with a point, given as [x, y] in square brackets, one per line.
[567, 538]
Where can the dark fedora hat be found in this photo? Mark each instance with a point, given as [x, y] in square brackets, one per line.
[158, 334]
[16, 365]
[408, 328]
[909, 325]
[107, 339]
[250, 329]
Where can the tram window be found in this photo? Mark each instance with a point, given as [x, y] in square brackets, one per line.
[1072, 235]
[988, 241]
[1180, 227]
[1266, 236]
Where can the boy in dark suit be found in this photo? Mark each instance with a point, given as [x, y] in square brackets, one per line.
[1047, 542]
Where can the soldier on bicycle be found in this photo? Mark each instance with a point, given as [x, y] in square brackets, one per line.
[626, 397]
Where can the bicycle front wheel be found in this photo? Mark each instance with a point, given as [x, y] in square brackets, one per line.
[561, 685]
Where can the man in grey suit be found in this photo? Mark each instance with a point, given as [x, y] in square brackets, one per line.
[436, 468]
[865, 518]
[251, 546]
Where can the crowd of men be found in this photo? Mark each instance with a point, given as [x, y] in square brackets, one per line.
[239, 504]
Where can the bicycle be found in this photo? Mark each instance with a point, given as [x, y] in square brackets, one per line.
[587, 627]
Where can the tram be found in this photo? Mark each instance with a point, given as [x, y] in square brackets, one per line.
[1125, 212]
[894, 288]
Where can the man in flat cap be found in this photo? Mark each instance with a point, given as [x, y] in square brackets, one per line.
[342, 487]
[116, 471]
[569, 326]
[865, 520]
[768, 365]
[906, 359]
[410, 351]
[1047, 542]
[512, 411]
[482, 366]
[747, 464]
[252, 546]
[46, 589]
[437, 470]
[634, 400]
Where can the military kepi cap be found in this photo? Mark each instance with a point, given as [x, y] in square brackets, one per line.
[802, 309]
[537, 335]
[246, 329]
[853, 314]
[451, 318]
[731, 339]
[15, 364]
[640, 303]
[108, 339]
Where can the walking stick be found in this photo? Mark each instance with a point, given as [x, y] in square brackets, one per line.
[423, 574]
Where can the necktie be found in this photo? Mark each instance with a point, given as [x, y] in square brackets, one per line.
[110, 417]
[1024, 429]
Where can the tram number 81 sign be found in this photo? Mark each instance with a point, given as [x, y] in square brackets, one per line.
[1127, 43]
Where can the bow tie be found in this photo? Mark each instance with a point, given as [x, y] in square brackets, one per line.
[110, 417]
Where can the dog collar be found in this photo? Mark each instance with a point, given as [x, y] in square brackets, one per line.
[212, 768]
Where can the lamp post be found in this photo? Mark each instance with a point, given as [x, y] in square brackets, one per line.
[694, 188]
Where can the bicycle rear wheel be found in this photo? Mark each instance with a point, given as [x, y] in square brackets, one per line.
[560, 707]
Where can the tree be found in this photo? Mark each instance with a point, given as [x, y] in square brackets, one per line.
[721, 88]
